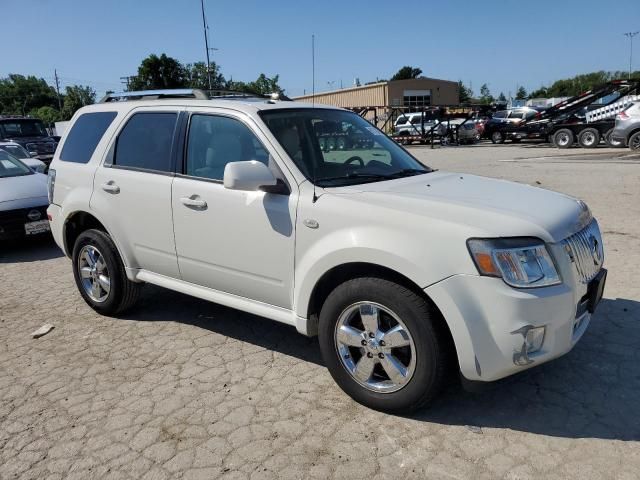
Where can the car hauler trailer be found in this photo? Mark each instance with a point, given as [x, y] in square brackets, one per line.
[567, 122]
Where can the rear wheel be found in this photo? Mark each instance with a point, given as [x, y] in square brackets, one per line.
[497, 137]
[383, 344]
[634, 142]
[563, 138]
[589, 138]
[100, 276]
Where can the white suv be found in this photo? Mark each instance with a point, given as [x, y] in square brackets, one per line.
[406, 274]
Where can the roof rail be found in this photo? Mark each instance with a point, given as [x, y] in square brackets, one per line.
[155, 94]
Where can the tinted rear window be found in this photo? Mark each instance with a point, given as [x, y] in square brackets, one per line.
[145, 142]
[85, 135]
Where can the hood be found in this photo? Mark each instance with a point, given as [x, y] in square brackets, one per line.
[490, 207]
[23, 187]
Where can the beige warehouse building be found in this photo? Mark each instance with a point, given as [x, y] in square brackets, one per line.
[412, 95]
[416, 92]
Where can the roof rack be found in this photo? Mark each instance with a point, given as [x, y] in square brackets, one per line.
[188, 93]
[155, 94]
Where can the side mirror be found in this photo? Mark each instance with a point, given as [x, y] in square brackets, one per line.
[248, 176]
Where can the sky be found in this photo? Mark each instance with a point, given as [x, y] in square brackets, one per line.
[503, 43]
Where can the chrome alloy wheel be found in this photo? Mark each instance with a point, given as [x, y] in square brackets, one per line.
[589, 139]
[375, 347]
[94, 274]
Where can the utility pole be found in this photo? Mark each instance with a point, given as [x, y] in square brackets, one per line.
[55, 74]
[630, 35]
[126, 82]
[206, 43]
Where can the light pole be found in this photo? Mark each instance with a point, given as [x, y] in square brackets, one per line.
[206, 43]
[630, 35]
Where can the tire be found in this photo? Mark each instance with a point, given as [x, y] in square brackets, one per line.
[589, 138]
[563, 138]
[97, 247]
[634, 142]
[497, 137]
[425, 359]
[610, 141]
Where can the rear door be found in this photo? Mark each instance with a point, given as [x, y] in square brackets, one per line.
[132, 189]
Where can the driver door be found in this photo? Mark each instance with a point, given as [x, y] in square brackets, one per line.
[232, 241]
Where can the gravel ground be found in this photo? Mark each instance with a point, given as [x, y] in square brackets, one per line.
[181, 388]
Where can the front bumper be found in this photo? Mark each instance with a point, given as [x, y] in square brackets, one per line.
[483, 313]
[12, 222]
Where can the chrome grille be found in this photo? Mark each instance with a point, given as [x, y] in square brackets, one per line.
[586, 251]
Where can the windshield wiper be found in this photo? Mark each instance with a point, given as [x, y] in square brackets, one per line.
[405, 172]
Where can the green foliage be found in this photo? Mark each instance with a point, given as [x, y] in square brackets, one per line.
[465, 93]
[501, 97]
[47, 114]
[77, 96]
[197, 76]
[407, 72]
[20, 94]
[521, 93]
[485, 95]
[569, 87]
[158, 72]
[262, 85]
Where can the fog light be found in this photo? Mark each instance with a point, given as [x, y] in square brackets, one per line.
[534, 339]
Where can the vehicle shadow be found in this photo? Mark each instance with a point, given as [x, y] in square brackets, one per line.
[29, 250]
[592, 392]
[158, 304]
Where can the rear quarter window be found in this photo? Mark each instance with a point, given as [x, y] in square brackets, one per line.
[84, 136]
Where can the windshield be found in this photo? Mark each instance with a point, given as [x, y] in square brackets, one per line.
[23, 128]
[10, 166]
[338, 148]
[16, 150]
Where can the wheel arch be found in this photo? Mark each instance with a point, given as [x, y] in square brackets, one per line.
[348, 271]
[631, 133]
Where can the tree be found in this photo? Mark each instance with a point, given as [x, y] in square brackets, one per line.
[47, 114]
[77, 96]
[263, 85]
[501, 97]
[542, 92]
[20, 94]
[158, 73]
[407, 72]
[465, 93]
[521, 93]
[196, 74]
[485, 94]
[568, 87]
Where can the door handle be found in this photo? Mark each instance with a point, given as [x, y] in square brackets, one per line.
[110, 187]
[193, 201]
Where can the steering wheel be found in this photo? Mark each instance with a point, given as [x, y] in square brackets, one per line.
[354, 159]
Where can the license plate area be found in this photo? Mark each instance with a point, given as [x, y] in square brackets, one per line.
[595, 290]
[33, 228]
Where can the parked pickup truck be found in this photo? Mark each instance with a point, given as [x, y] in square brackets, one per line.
[31, 134]
[406, 274]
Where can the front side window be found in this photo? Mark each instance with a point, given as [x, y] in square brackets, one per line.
[145, 142]
[84, 136]
[10, 166]
[214, 141]
[335, 148]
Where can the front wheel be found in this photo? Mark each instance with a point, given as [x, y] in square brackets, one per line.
[383, 344]
[99, 274]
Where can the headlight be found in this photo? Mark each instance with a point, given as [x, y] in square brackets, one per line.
[520, 262]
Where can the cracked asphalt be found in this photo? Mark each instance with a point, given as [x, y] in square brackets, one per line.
[182, 388]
